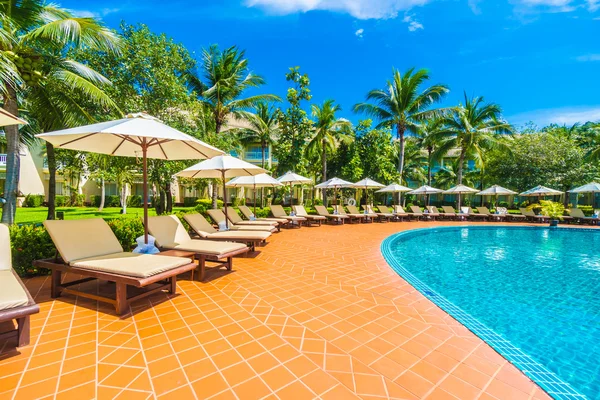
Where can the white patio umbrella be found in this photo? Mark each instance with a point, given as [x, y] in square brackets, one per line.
[335, 184]
[133, 136]
[7, 118]
[496, 190]
[425, 190]
[293, 179]
[592, 187]
[256, 181]
[367, 183]
[221, 167]
[540, 191]
[459, 190]
[394, 188]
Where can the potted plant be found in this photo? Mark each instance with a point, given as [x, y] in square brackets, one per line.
[553, 210]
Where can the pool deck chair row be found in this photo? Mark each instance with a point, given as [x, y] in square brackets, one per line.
[204, 230]
[249, 215]
[310, 219]
[170, 234]
[333, 218]
[16, 304]
[218, 217]
[279, 212]
[89, 248]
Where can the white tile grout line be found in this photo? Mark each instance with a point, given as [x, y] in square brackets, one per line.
[556, 387]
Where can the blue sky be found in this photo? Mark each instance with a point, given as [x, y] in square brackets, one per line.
[539, 59]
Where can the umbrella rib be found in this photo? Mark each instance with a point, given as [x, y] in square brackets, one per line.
[193, 148]
[117, 148]
[75, 140]
[163, 151]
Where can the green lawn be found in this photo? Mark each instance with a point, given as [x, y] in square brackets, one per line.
[38, 214]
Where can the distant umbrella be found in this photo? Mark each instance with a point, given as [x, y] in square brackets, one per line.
[255, 181]
[335, 184]
[425, 190]
[367, 183]
[394, 188]
[496, 191]
[293, 179]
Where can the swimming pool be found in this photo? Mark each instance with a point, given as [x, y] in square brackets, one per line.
[537, 289]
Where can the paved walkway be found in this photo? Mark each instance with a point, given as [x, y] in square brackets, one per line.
[317, 313]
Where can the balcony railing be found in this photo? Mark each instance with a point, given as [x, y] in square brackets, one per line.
[2, 159]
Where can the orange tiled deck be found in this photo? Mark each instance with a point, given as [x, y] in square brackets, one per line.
[317, 313]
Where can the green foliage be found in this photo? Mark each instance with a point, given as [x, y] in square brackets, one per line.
[34, 200]
[29, 243]
[134, 201]
[376, 152]
[295, 126]
[540, 159]
[189, 201]
[552, 209]
[62, 201]
[202, 205]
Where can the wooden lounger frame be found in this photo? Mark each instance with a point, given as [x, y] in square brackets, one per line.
[203, 258]
[165, 280]
[22, 316]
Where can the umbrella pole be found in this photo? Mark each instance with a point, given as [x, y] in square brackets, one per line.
[225, 198]
[255, 199]
[145, 188]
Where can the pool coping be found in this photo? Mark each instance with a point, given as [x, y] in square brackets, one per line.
[538, 373]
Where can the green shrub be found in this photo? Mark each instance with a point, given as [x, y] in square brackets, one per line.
[127, 230]
[62, 201]
[34, 200]
[587, 210]
[134, 201]
[202, 205]
[189, 201]
[29, 243]
[78, 200]
[112, 201]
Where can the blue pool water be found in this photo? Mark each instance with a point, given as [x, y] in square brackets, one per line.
[537, 288]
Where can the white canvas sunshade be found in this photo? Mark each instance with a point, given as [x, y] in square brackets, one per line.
[128, 136]
[7, 118]
[394, 188]
[592, 187]
[496, 190]
[425, 190]
[221, 167]
[294, 179]
[368, 183]
[137, 135]
[541, 191]
[255, 181]
[460, 189]
[334, 183]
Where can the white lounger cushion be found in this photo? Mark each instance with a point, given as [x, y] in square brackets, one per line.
[201, 226]
[5, 255]
[131, 264]
[12, 294]
[206, 247]
[82, 238]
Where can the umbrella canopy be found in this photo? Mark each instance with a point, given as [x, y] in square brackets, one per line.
[221, 167]
[368, 183]
[425, 190]
[7, 118]
[394, 188]
[334, 183]
[293, 179]
[541, 191]
[137, 134]
[460, 189]
[589, 188]
[496, 190]
[256, 181]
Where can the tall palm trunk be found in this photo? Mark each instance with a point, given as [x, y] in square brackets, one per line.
[51, 181]
[124, 198]
[169, 208]
[263, 146]
[102, 195]
[429, 151]
[459, 172]
[324, 171]
[11, 185]
[402, 140]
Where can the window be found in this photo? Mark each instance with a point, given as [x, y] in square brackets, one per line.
[59, 187]
[110, 189]
[255, 153]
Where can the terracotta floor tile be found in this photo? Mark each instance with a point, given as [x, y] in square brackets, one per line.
[316, 312]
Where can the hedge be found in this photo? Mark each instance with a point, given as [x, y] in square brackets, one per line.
[33, 200]
[109, 201]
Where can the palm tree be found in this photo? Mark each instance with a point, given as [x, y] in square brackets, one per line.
[402, 104]
[472, 128]
[426, 139]
[226, 78]
[328, 132]
[414, 165]
[35, 37]
[262, 129]
[591, 142]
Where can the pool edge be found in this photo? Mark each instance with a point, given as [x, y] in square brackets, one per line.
[538, 373]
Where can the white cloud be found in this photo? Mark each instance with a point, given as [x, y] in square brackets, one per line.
[588, 57]
[529, 6]
[359, 33]
[361, 9]
[413, 24]
[593, 5]
[474, 6]
[94, 14]
[568, 116]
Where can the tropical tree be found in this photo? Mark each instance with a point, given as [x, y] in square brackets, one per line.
[590, 141]
[414, 163]
[328, 132]
[402, 104]
[262, 128]
[426, 139]
[472, 128]
[35, 37]
[226, 77]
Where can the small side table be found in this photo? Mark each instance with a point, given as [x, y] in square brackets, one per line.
[180, 253]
